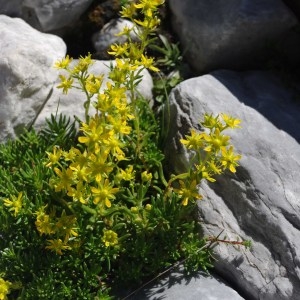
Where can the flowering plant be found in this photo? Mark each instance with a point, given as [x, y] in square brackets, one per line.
[94, 205]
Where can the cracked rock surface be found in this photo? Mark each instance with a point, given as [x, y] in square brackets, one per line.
[261, 201]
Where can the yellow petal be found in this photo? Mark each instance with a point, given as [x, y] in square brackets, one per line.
[107, 203]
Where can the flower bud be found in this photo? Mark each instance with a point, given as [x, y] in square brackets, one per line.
[148, 207]
[134, 209]
[146, 176]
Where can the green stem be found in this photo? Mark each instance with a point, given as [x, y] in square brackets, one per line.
[180, 176]
[87, 103]
[88, 209]
[161, 174]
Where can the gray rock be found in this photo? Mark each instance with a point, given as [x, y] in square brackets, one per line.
[260, 201]
[294, 5]
[71, 104]
[11, 8]
[232, 34]
[176, 285]
[49, 15]
[45, 15]
[26, 73]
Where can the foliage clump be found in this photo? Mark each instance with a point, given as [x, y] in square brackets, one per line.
[81, 211]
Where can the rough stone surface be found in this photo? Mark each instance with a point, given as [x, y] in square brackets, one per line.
[72, 103]
[11, 8]
[177, 286]
[260, 201]
[49, 15]
[294, 5]
[26, 73]
[231, 34]
[107, 36]
[45, 15]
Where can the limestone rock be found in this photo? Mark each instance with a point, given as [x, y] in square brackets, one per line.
[46, 15]
[71, 104]
[26, 73]
[260, 201]
[175, 285]
[11, 8]
[231, 34]
[294, 5]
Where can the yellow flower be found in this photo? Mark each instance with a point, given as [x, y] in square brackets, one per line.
[78, 194]
[128, 11]
[15, 204]
[215, 167]
[123, 64]
[71, 154]
[146, 177]
[230, 121]
[229, 159]
[216, 141]
[193, 141]
[80, 173]
[114, 145]
[64, 63]
[92, 132]
[116, 93]
[148, 8]
[125, 111]
[5, 286]
[149, 23]
[100, 167]
[211, 122]
[82, 158]
[110, 238]
[119, 125]
[188, 191]
[104, 103]
[57, 246]
[127, 174]
[118, 75]
[93, 83]
[125, 31]
[83, 64]
[54, 157]
[204, 173]
[104, 192]
[44, 224]
[147, 62]
[65, 84]
[65, 179]
[65, 226]
[146, 5]
[119, 50]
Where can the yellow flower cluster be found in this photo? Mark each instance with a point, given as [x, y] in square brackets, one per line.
[213, 154]
[135, 52]
[91, 173]
[62, 228]
[110, 238]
